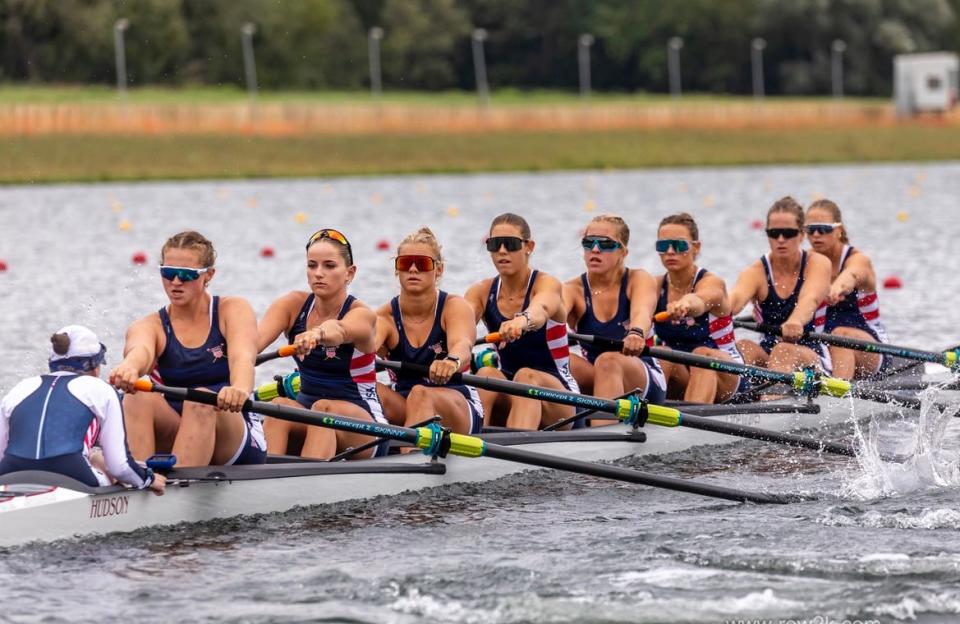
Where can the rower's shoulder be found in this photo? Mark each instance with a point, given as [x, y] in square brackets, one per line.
[233, 303]
[292, 299]
[386, 309]
[817, 260]
[479, 289]
[642, 277]
[546, 281]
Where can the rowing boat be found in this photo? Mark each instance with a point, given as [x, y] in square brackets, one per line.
[37, 506]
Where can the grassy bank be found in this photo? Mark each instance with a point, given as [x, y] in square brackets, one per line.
[90, 158]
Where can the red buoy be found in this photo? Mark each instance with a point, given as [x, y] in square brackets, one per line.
[139, 257]
[3, 266]
[892, 281]
[756, 224]
[266, 252]
[383, 245]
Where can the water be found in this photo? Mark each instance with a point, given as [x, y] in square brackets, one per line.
[879, 543]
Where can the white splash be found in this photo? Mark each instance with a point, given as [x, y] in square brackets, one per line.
[925, 463]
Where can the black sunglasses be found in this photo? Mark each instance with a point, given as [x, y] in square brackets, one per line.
[787, 233]
[511, 243]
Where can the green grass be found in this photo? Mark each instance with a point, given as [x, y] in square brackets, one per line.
[23, 94]
[91, 158]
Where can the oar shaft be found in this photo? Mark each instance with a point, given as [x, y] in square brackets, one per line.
[947, 358]
[284, 351]
[632, 476]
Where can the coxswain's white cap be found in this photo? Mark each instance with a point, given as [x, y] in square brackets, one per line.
[75, 347]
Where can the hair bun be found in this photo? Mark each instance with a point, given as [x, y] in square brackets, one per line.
[61, 343]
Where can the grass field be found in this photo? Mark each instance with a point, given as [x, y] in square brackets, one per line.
[89, 158]
[20, 94]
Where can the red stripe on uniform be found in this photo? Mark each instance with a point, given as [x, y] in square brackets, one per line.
[871, 316]
[560, 353]
[720, 323]
[866, 300]
[557, 331]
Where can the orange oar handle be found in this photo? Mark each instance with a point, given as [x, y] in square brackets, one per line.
[286, 350]
[662, 317]
[143, 385]
[490, 338]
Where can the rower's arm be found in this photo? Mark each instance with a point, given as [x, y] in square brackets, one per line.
[240, 331]
[816, 286]
[858, 274]
[386, 329]
[573, 300]
[278, 318]
[4, 426]
[460, 327]
[746, 288]
[710, 295]
[546, 301]
[358, 326]
[476, 296]
[139, 354]
[642, 291]
[113, 439]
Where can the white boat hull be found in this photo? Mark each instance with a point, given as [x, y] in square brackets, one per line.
[62, 513]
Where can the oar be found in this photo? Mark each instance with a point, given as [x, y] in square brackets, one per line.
[284, 351]
[804, 382]
[625, 410]
[434, 440]
[950, 359]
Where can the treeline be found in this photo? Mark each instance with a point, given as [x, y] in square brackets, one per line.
[322, 44]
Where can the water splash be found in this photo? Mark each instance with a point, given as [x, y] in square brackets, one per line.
[925, 463]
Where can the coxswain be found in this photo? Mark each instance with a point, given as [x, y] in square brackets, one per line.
[70, 421]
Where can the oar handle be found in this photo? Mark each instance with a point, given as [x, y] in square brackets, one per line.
[662, 317]
[491, 338]
[284, 351]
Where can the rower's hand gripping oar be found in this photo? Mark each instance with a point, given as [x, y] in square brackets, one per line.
[950, 359]
[630, 410]
[806, 382]
[284, 351]
[436, 441]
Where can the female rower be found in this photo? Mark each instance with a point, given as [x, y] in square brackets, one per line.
[699, 310]
[853, 310]
[525, 307]
[426, 326]
[625, 299]
[786, 287]
[334, 334]
[51, 422]
[198, 340]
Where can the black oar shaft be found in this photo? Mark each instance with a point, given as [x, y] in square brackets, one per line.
[856, 343]
[632, 476]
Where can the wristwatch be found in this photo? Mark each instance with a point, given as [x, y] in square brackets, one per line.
[635, 330]
[453, 358]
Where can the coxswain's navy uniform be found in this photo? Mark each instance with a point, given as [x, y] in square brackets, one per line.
[433, 348]
[51, 423]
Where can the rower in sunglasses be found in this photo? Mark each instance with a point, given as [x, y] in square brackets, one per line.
[786, 286]
[699, 309]
[625, 299]
[853, 309]
[427, 326]
[197, 341]
[334, 334]
[526, 307]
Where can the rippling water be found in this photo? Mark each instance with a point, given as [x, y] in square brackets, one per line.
[879, 543]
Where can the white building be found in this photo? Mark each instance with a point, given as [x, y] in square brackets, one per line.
[925, 83]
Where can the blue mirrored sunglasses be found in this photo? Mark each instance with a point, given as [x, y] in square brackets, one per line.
[589, 243]
[679, 245]
[184, 274]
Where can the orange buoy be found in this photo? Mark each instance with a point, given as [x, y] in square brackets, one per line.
[383, 245]
[756, 224]
[892, 281]
[266, 252]
[3, 266]
[139, 257]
